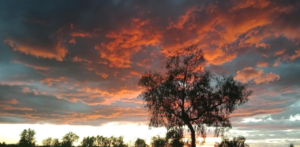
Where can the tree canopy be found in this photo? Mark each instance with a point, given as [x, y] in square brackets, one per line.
[47, 142]
[235, 142]
[158, 141]
[27, 138]
[186, 95]
[55, 142]
[88, 141]
[174, 136]
[140, 143]
[69, 139]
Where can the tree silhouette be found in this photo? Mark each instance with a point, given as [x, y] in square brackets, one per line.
[47, 142]
[140, 143]
[27, 138]
[102, 141]
[235, 142]
[2, 144]
[118, 142]
[158, 142]
[69, 139]
[88, 141]
[187, 96]
[55, 142]
[174, 137]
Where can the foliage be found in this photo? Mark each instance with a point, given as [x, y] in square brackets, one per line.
[140, 143]
[235, 142]
[2, 144]
[174, 137]
[158, 142]
[69, 139]
[27, 138]
[110, 141]
[88, 141]
[55, 142]
[118, 142]
[102, 141]
[47, 142]
[188, 96]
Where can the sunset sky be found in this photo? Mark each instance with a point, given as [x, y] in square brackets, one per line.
[74, 65]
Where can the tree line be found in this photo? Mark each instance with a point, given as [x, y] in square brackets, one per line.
[173, 139]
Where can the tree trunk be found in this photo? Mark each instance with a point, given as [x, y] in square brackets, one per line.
[192, 135]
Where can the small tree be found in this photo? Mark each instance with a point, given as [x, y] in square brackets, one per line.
[69, 139]
[102, 141]
[3, 144]
[55, 142]
[174, 137]
[27, 138]
[118, 142]
[187, 96]
[88, 141]
[140, 143]
[47, 142]
[235, 142]
[158, 142]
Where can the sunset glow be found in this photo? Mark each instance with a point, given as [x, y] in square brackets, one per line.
[75, 65]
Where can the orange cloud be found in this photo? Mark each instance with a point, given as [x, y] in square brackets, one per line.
[31, 66]
[135, 73]
[184, 20]
[248, 74]
[262, 64]
[296, 55]
[81, 34]
[280, 52]
[7, 105]
[266, 78]
[96, 96]
[251, 3]
[218, 56]
[126, 42]
[50, 81]
[12, 101]
[78, 59]
[58, 52]
[215, 33]
[102, 74]
[255, 111]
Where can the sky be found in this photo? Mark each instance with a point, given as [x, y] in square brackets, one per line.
[75, 65]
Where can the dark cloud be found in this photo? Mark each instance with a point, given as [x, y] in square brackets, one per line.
[79, 62]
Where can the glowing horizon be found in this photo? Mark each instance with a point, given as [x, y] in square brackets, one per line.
[79, 62]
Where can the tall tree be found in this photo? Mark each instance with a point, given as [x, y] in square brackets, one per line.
[188, 96]
[47, 142]
[27, 138]
[69, 139]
